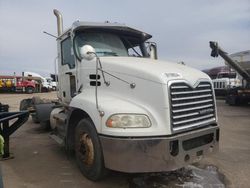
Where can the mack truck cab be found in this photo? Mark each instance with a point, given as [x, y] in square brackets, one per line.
[124, 110]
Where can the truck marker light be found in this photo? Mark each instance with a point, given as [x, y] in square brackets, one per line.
[109, 123]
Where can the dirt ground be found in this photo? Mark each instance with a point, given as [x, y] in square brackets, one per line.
[41, 163]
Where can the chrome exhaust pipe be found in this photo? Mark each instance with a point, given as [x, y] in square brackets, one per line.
[59, 22]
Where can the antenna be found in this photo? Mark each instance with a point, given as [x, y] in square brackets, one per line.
[50, 34]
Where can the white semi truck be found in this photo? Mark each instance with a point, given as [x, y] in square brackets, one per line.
[120, 108]
[240, 94]
[225, 81]
[231, 80]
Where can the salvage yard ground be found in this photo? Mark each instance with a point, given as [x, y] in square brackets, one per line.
[41, 163]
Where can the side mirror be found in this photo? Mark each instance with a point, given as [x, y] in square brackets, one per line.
[152, 50]
[87, 52]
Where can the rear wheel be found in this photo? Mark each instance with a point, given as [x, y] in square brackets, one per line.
[25, 104]
[34, 118]
[233, 100]
[88, 151]
[45, 89]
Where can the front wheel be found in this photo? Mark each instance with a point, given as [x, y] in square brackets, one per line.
[89, 155]
[29, 90]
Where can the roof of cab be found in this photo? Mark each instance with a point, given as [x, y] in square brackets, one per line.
[76, 26]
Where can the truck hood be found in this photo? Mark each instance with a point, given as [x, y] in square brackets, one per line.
[152, 70]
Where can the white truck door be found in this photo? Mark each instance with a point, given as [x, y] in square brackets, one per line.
[66, 70]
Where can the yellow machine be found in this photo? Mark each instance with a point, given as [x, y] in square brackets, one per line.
[8, 83]
[1, 83]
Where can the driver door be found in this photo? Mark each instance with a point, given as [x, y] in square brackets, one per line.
[67, 70]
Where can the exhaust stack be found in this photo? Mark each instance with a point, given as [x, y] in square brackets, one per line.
[59, 22]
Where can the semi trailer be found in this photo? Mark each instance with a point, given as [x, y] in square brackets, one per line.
[240, 93]
[121, 108]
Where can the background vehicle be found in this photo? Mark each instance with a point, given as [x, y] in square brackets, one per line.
[52, 84]
[120, 108]
[17, 84]
[46, 82]
[226, 80]
[6, 84]
[27, 86]
[240, 62]
[46, 85]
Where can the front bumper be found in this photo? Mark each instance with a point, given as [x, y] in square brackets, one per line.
[158, 154]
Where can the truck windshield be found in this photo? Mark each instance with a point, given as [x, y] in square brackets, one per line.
[227, 75]
[105, 44]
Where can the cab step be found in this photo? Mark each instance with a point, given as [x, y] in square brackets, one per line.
[60, 117]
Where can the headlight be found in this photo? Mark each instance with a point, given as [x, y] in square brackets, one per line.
[128, 121]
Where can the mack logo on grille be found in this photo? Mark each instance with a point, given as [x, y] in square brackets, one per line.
[205, 111]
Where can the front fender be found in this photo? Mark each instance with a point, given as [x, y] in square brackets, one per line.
[109, 105]
[86, 102]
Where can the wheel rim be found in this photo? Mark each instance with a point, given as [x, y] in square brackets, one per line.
[86, 149]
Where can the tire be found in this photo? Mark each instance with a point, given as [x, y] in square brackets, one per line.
[34, 118]
[88, 151]
[45, 90]
[234, 101]
[36, 100]
[25, 104]
[29, 90]
[45, 125]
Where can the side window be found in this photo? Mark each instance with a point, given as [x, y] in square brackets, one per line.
[67, 57]
[135, 51]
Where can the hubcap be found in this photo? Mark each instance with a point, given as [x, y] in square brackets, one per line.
[86, 149]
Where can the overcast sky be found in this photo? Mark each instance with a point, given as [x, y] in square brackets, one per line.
[182, 29]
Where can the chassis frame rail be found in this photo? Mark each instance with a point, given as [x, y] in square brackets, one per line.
[8, 127]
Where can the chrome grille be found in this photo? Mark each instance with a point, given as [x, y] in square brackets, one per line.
[220, 84]
[191, 107]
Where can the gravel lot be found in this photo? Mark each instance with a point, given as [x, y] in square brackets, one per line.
[40, 163]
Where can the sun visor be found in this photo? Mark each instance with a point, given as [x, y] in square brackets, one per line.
[112, 27]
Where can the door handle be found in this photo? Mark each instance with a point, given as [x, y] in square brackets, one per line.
[69, 73]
